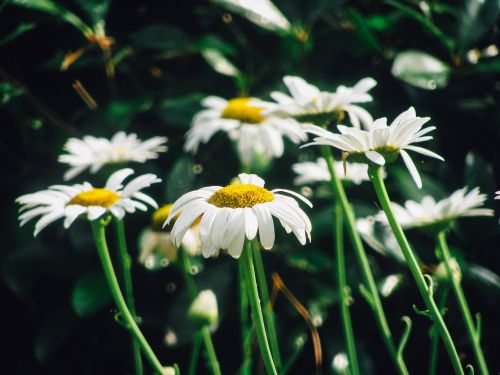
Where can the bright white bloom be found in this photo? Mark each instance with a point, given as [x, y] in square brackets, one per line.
[156, 245]
[93, 153]
[204, 309]
[379, 237]
[254, 133]
[497, 194]
[317, 171]
[381, 143]
[306, 101]
[235, 212]
[429, 212]
[69, 202]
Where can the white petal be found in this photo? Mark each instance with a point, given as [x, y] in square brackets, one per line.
[251, 179]
[303, 199]
[115, 180]
[266, 225]
[95, 212]
[411, 167]
[375, 157]
[251, 223]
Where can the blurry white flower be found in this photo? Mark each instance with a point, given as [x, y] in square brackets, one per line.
[93, 153]
[379, 237]
[307, 103]
[71, 201]
[204, 309]
[254, 133]
[310, 172]
[497, 194]
[157, 243]
[381, 143]
[235, 212]
[340, 363]
[429, 212]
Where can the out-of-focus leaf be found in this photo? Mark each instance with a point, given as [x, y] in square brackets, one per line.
[90, 293]
[362, 29]
[406, 186]
[310, 260]
[96, 9]
[263, 13]
[160, 37]
[210, 41]
[180, 179]
[20, 30]
[482, 275]
[421, 70]
[56, 10]
[122, 112]
[383, 22]
[219, 62]
[9, 92]
[476, 17]
[180, 110]
[485, 67]
[427, 23]
[478, 172]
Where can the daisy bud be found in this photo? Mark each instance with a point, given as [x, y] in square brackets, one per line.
[441, 273]
[204, 309]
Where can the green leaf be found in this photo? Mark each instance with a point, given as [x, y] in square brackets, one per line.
[180, 110]
[478, 172]
[406, 186]
[56, 10]
[211, 41]
[476, 18]
[180, 180]
[362, 29]
[20, 30]
[159, 37]
[96, 9]
[421, 70]
[122, 112]
[90, 293]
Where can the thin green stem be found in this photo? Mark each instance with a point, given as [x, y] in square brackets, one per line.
[195, 354]
[375, 173]
[253, 297]
[359, 250]
[345, 314]
[246, 342]
[125, 265]
[463, 306]
[98, 230]
[266, 304]
[433, 361]
[185, 264]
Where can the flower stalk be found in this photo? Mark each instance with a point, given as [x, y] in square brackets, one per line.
[370, 286]
[254, 300]
[375, 174]
[463, 306]
[98, 230]
[442, 301]
[125, 265]
[246, 341]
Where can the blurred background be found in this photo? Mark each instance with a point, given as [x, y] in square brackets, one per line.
[77, 67]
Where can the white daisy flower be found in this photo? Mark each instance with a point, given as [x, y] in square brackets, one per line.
[253, 132]
[93, 153]
[381, 143]
[307, 103]
[429, 212]
[317, 171]
[235, 212]
[156, 243]
[69, 202]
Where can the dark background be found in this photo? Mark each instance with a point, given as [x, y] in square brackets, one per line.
[56, 314]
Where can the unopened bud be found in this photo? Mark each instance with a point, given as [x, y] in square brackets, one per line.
[204, 310]
[441, 273]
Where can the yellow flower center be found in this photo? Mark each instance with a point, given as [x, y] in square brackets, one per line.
[161, 214]
[238, 109]
[240, 196]
[95, 197]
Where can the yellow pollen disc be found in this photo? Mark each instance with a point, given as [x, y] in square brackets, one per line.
[161, 214]
[238, 109]
[240, 196]
[95, 197]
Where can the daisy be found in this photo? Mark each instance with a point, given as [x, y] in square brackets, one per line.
[307, 103]
[429, 212]
[254, 133]
[69, 202]
[155, 241]
[235, 212]
[381, 143]
[317, 171]
[93, 153]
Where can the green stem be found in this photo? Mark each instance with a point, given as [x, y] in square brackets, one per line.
[253, 297]
[193, 292]
[375, 173]
[195, 354]
[344, 291]
[371, 287]
[442, 300]
[246, 337]
[463, 306]
[98, 230]
[266, 304]
[125, 265]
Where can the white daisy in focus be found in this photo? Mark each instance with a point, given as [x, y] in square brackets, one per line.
[93, 153]
[317, 171]
[156, 244]
[235, 212]
[71, 201]
[254, 133]
[381, 143]
[428, 212]
[307, 103]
